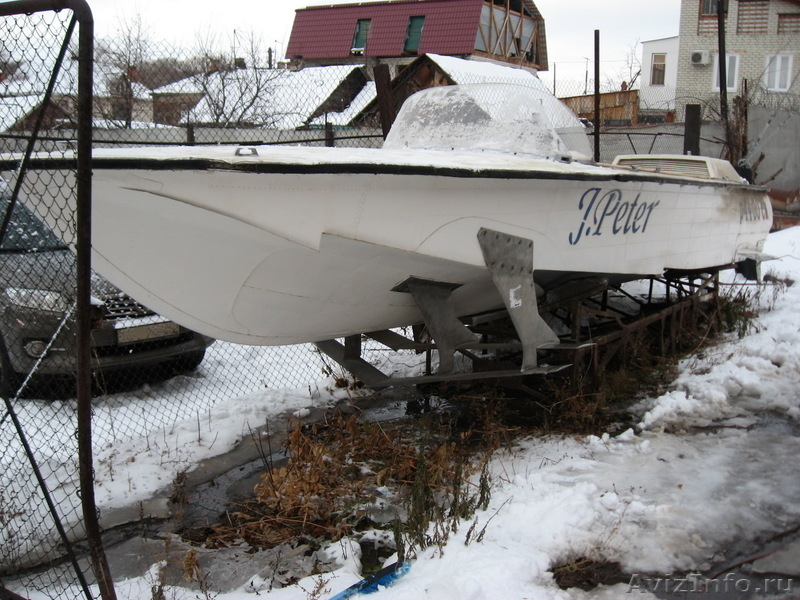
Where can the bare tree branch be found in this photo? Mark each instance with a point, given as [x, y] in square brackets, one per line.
[237, 84]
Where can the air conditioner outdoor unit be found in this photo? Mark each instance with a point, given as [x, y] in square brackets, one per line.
[700, 57]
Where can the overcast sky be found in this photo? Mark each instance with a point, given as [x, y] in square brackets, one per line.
[570, 24]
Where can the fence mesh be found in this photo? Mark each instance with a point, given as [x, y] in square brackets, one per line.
[38, 290]
[152, 376]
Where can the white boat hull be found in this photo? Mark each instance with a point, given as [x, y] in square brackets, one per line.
[265, 257]
[278, 245]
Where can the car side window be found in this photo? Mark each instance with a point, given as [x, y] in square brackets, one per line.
[26, 233]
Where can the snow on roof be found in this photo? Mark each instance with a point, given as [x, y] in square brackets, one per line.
[31, 80]
[480, 71]
[33, 74]
[274, 97]
[343, 118]
[187, 85]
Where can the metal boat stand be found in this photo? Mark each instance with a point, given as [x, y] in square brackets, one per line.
[594, 318]
[510, 262]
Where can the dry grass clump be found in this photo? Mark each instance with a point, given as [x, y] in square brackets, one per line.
[330, 464]
[333, 474]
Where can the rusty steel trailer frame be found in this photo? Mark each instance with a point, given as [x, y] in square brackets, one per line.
[496, 352]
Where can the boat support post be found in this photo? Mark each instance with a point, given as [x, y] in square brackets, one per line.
[433, 298]
[510, 261]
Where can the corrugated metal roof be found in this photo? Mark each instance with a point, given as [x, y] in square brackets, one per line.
[326, 32]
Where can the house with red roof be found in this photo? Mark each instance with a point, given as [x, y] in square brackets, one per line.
[396, 32]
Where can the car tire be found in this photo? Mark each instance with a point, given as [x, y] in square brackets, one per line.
[192, 361]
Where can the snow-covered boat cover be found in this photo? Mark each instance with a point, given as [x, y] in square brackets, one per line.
[489, 116]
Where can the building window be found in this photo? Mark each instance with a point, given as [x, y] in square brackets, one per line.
[708, 21]
[731, 72]
[789, 23]
[530, 53]
[659, 69]
[753, 16]
[516, 49]
[515, 5]
[709, 7]
[413, 34]
[360, 36]
[777, 75]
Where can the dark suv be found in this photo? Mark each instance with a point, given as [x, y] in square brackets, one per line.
[37, 298]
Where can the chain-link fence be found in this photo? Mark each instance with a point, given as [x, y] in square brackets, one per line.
[40, 507]
[151, 376]
[634, 120]
[147, 372]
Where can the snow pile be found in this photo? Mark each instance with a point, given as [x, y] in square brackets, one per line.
[731, 383]
[137, 470]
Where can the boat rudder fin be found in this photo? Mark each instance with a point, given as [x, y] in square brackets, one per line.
[509, 259]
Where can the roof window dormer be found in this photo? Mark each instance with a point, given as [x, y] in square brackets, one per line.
[360, 36]
[413, 34]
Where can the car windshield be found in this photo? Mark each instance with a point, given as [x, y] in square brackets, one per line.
[26, 233]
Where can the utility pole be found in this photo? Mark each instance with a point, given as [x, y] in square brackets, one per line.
[723, 72]
[586, 77]
[554, 80]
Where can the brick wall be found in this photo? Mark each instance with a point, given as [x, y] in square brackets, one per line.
[752, 33]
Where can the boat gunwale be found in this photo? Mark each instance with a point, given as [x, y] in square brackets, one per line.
[362, 168]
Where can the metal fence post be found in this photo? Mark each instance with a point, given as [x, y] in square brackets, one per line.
[691, 130]
[84, 275]
[597, 95]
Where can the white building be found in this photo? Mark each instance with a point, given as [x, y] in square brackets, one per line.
[659, 79]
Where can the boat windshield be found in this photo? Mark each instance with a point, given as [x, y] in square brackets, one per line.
[499, 117]
[25, 233]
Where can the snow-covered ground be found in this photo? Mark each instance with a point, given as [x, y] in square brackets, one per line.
[708, 475]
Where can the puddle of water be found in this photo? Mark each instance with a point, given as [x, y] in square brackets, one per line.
[209, 501]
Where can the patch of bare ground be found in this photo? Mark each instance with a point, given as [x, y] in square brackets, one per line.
[587, 574]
